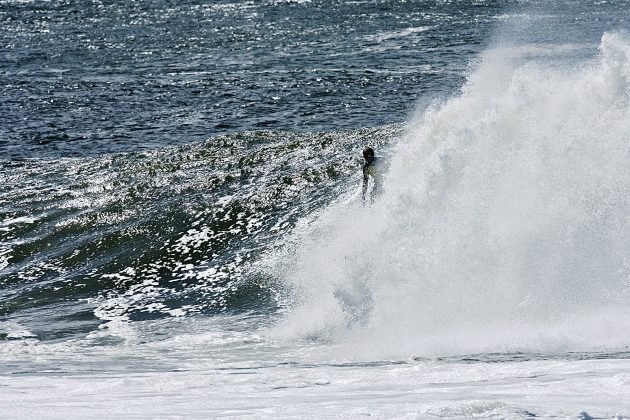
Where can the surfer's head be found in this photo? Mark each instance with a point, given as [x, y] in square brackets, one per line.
[368, 154]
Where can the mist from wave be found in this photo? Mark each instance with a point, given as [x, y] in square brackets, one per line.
[503, 225]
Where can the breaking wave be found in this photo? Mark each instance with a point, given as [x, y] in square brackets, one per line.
[504, 225]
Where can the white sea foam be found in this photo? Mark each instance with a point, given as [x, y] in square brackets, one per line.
[546, 389]
[18, 220]
[387, 35]
[14, 330]
[504, 224]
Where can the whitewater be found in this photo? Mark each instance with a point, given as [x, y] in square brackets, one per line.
[505, 211]
[244, 277]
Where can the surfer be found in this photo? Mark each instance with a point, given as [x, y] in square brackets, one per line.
[370, 171]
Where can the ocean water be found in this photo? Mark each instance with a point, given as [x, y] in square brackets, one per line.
[182, 233]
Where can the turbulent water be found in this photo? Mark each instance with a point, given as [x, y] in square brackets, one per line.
[182, 232]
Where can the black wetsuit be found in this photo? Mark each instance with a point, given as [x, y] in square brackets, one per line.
[371, 169]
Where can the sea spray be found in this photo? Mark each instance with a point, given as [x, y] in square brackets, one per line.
[504, 225]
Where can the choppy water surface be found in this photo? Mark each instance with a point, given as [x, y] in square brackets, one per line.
[85, 78]
[182, 232]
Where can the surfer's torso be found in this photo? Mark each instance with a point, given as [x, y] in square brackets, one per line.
[371, 178]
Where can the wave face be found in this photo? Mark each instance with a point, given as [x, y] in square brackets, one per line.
[171, 232]
[504, 225]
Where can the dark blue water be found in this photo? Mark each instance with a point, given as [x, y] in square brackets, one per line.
[86, 78]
